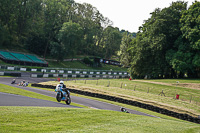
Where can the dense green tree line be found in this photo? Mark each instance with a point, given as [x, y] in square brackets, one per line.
[57, 28]
[167, 45]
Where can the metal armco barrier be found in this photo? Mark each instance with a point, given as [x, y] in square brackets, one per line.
[76, 76]
[65, 72]
[10, 74]
[130, 102]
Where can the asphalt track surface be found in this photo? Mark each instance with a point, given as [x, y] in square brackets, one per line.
[16, 100]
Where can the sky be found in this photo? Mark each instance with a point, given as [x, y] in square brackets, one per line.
[129, 14]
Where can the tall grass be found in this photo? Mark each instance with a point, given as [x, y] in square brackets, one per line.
[156, 89]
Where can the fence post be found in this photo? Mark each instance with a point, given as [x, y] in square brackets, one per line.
[108, 84]
[97, 82]
[190, 98]
[196, 102]
[121, 85]
[175, 94]
[134, 87]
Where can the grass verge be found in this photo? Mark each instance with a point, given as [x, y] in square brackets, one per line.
[47, 119]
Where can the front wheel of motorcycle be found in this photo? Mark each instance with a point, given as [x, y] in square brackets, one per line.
[58, 97]
[68, 101]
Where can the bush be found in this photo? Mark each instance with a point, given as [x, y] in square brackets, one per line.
[87, 61]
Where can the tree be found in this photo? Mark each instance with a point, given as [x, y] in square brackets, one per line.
[58, 51]
[157, 36]
[16, 18]
[38, 25]
[112, 41]
[91, 21]
[124, 52]
[70, 36]
[191, 33]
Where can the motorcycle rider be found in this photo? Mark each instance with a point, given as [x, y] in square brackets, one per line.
[63, 87]
[13, 81]
[124, 110]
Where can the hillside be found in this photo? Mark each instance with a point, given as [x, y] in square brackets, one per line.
[75, 64]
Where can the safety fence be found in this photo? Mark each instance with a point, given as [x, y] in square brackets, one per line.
[10, 74]
[78, 76]
[64, 72]
[130, 102]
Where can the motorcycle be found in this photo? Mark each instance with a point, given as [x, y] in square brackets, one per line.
[124, 110]
[62, 95]
[13, 81]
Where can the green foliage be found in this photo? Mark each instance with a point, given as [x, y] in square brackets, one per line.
[35, 43]
[58, 51]
[70, 36]
[190, 25]
[87, 61]
[112, 41]
[124, 53]
[40, 24]
[167, 43]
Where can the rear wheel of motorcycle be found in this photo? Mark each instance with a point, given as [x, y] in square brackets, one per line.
[68, 101]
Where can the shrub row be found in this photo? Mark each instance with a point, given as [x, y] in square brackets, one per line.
[130, 102]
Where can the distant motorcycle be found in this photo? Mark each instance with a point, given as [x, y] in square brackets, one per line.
[13, 81]
[124, 110]
[62, 95]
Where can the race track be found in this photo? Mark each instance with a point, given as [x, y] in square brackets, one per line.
[7, 99]
[18, 100]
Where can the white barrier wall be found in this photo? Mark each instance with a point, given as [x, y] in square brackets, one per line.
[45, 75]
[34, 75]
[77, 72]
[73, 76]
[22, 69]
[82, 76]
[1, 73]
[55, 75]
[61, 71]
[33, 70]
[11, 68]
[53, 71]
[65, 75]
[69, 71]
[43, 70]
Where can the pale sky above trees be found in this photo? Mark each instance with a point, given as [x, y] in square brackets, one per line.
[129, 14]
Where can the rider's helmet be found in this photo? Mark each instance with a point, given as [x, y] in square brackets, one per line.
[61, 82]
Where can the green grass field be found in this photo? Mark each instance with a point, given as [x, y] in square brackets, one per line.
[49, 119]
[174, 81]
[146, 92]
[40, 119]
